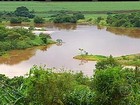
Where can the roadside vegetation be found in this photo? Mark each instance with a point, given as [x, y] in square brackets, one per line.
[110, 85]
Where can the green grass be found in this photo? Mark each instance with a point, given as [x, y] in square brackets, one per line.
[127, 60]
[75, 6]
[42, 8]
[130, 60]
[90, 57]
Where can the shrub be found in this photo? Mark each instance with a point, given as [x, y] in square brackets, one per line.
[23, 12]
[116, 86]
[16, 20]
[38, 20]
[79, 15]
[66, 17]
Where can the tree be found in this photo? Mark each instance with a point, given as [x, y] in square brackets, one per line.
[79, 15]
[44, 37]
[116, 86]
[23, 12]
[15, 20]
[66, 17]
[42, 86]
[104, 64]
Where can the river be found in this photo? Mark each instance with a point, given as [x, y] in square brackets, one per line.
[93, 39]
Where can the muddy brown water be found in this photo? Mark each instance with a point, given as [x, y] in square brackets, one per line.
[93, 39]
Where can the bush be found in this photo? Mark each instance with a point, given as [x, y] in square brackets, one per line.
[79, 15]
[81, 95]
[124, 20]
[23, 12]
[0, 20]
[107, 63]
[116, 86]
[16, 20]
[38, 20]
[64, 17]
[25, 19]
[99, 19]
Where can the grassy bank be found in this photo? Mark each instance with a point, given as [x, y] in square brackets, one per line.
[128, 60]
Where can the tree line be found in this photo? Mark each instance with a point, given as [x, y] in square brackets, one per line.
[124, 20]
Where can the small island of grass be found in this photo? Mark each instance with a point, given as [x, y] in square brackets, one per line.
[90, 57]
[127, 60]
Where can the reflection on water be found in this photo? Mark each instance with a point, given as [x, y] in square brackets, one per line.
[82, 62]
[17, 56]
[65, 26]
[134, 33]
[100, 27]
[59, 26]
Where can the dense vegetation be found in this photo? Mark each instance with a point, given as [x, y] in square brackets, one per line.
[65, 17]
[124, 20]
[19, 38]
[38, 20]
[110, 85]
[21, 14]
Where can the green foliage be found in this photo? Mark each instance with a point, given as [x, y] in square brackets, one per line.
[23, 12]
[44, 37]
[18, 38]
[107, 63]
[78, 15]
[81, 95]
[6, 15]
[99, 19]
[38, 20]
[110, 86]
[45, 86]
[15, 20]
[116, 86]
[124, 20]
[66, 17]
[10, 90]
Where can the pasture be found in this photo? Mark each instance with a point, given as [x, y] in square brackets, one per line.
[74, 6]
